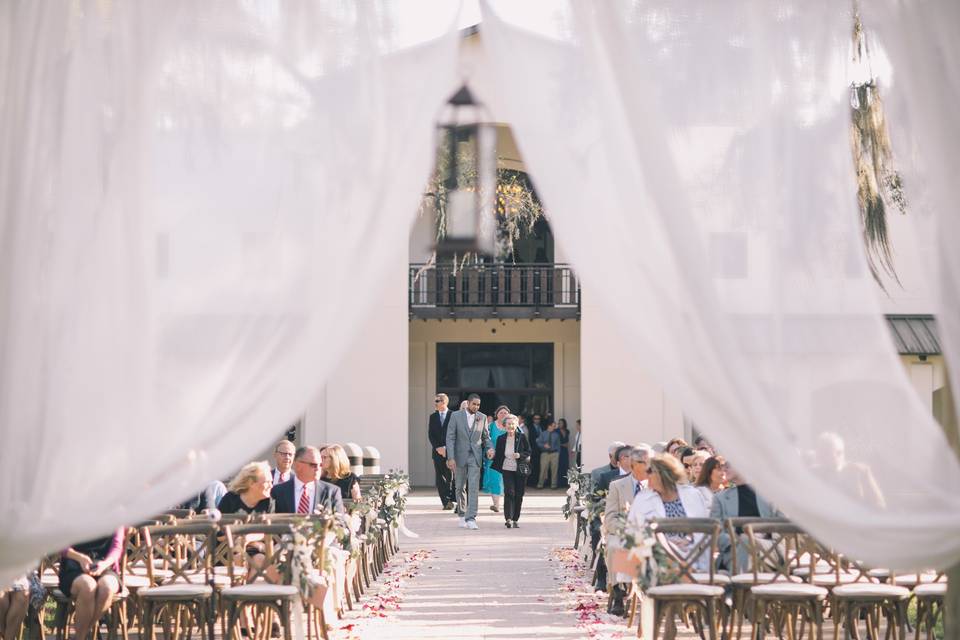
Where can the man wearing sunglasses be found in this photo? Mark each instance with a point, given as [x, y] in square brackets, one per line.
[305, 492]
[437, 434]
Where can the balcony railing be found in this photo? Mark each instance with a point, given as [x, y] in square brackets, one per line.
[494, 291]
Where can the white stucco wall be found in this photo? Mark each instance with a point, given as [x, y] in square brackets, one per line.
[620, 400]
[365, 400]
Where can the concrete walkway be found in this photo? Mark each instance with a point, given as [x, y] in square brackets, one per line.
[492, 583]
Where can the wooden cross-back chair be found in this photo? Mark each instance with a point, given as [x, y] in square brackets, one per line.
[858, 595]
[696, 596]
[179, 565]
[930, 598]
[780, 599]
[262, 571]
[740, 570]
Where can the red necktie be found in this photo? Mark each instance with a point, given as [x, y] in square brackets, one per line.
[304, 505]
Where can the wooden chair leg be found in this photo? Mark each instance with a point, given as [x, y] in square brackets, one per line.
[712, 619]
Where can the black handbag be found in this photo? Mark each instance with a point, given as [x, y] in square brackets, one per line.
[524, 468]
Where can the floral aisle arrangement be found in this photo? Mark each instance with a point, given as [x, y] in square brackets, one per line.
[393, 491]
[640, 554]
[579, 485]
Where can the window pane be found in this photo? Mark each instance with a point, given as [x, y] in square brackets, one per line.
[447, 366]
[542, 366]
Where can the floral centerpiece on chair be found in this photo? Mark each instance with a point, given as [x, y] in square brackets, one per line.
[640, 554]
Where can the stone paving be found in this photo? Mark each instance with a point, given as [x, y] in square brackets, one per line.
[491, 583]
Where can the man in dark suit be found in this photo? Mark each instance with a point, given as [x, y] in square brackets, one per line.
[739, 501]
[622, 457]
[305, 492]
[437, 433]
[283, 456]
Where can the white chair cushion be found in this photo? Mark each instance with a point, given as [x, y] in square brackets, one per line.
[178, 590]
[718, 578]
[259, 590]
[830, 579]
[931, 590]
[747, 578]
[903, 579]
[136, 582]
[870, 590]
[686, 589]
[913, 579]
[218, 580]
[789, 589]
[822, 566]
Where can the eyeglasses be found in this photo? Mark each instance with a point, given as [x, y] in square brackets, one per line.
[437, 401]
[285, 454]
[312, 465]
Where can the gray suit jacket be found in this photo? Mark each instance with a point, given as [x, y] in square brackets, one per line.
[466, 446]
[726, 504]
[619, 499]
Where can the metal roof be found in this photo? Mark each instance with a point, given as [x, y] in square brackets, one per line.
[915, 335]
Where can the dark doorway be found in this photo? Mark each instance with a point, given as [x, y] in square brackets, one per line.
[518, 375]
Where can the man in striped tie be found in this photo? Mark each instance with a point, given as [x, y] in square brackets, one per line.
[305, 492]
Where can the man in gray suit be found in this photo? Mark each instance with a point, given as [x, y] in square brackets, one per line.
[738, 501]
[468, 437]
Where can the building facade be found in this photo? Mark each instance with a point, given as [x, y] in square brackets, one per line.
[524, 334]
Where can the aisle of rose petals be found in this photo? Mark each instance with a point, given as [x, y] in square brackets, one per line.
[385, 597]
[579, 596]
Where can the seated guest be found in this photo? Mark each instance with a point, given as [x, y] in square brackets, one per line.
[89, 572]
[702, 444]
[738, 501]
[283, 459]
[306, 492]
[668, 496]
[674, 445]
[612, 464]
[249, 491]
[693, 463]
[13, 607]
[620, 497]
[622, 456]
[335, 469]
[712, 479]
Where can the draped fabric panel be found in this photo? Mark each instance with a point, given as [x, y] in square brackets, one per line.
[198, 199]
[696, 165]
[920, 39]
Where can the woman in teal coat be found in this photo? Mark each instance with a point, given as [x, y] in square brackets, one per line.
[492, 480]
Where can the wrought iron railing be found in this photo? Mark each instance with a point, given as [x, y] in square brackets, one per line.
[513, 290]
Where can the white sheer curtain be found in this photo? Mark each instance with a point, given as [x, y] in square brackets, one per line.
[920, 38]
[197, 200]
[695, 161]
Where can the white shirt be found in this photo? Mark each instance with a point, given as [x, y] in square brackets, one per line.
[471, 417]
[311, 494]
[509, 460]
[443, 415]
[281, 477]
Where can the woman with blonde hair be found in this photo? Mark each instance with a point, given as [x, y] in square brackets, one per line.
[668, 495]
[335, 469]
[249, 491]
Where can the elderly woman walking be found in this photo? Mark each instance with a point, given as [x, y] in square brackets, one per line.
[511, 458]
